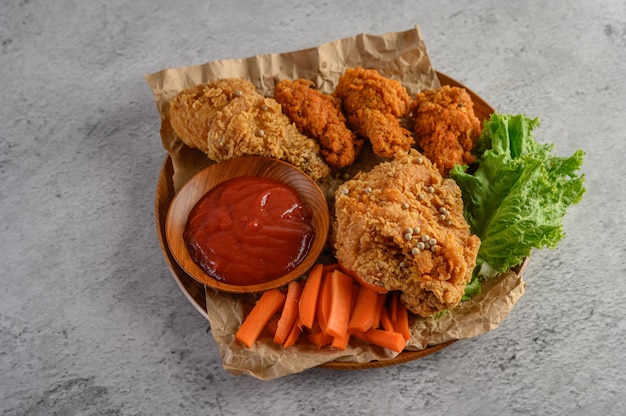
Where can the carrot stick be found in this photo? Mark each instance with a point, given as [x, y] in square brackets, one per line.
[355, 294]
[294, 334]
[385, 320]
[308, 299]
[340, 303]
[393, 306]
[320, 339]
[330, 267]
[341, 342]
[387, 339]
[266, 307]
[323, 304]
[289, 314]
[363, 315]
[272, 325]
[317, 337]
[380, 304]
[401, 324]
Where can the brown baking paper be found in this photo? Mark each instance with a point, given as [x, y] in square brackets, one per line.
[399, 55]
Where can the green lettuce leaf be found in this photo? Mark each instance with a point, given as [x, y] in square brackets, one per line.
[518, 194]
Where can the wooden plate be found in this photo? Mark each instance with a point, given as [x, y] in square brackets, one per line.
[194, 291]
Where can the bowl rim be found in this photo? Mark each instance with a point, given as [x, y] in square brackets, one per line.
[208, 178]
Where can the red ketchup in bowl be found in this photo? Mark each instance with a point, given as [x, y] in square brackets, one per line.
[249, 230]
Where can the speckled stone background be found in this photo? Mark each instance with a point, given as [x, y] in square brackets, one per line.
[91, 322]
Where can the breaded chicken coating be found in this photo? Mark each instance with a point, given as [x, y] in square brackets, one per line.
[251, 124]
[193, 108]
[229, 118]
[401, 226]
[374, 105]
[445, 126]
[319, 116]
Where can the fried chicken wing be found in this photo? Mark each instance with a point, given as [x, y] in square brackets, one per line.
[401, 226]
[445, 126]
[319, 116]
[374, 105]
[193, 108]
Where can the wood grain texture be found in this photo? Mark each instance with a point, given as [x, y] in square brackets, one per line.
[193, 290]
[205, 180]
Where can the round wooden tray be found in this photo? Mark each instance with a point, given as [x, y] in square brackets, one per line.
[194, 291]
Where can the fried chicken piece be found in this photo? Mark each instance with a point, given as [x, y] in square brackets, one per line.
[251, 124]
[401, 226]
[445, 126]
[229, 118]
[319, 116]
[374, 105]
[193, 108]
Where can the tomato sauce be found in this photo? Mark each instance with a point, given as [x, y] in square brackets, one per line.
[249, 230]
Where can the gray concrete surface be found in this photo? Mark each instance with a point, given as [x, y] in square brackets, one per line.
[91, 322]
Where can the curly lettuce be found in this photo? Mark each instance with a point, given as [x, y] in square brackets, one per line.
[516, 195]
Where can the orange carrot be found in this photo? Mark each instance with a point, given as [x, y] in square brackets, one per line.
[393, 305]
[272, 325]
[294, 334]
[353, 297]
[289, 314]
[365, 308]
[317, 337]
[266, 307]
[340, 304]
[330, 267]
[341, 342]
[310, 293]
[380, 304]
[357, 278]
[387, 339]
[320, 339]
[401, 324]
[385, 320]
[323, 304]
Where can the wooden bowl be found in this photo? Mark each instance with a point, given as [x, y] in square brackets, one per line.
[205, 180]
